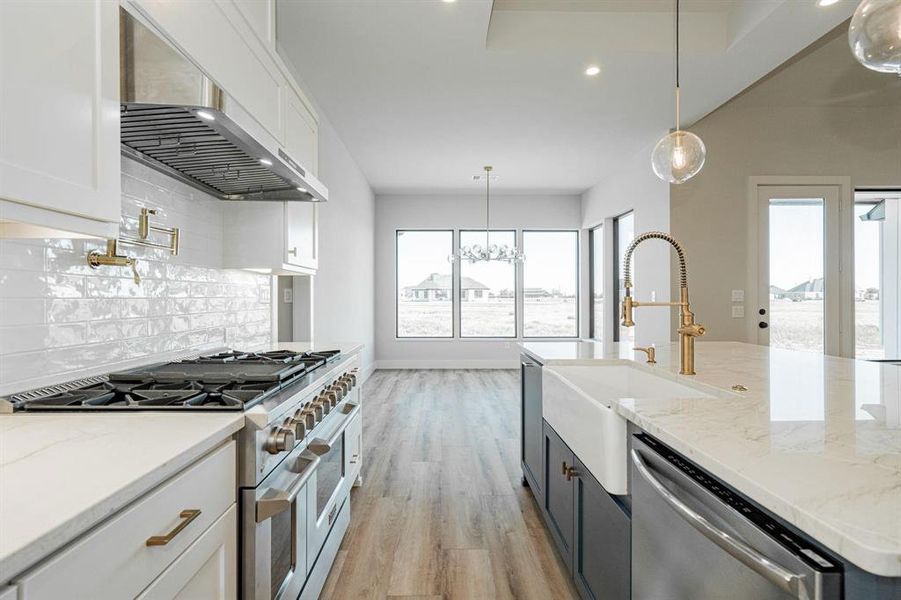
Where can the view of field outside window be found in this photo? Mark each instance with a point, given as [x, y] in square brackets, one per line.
[797, 286]
[487, 289]
[597, 283]
[625, 233]
[424, 284]
[550, 276]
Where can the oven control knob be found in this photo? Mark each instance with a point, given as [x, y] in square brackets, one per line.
[323, 404]
[331, 398]
[351, 379]
[297, 424]
[316, 409]
[340, 388]
[280, 439]
[308, 414]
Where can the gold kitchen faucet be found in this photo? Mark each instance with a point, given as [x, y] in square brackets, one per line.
[688, 329]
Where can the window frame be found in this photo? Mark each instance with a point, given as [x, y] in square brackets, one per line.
[617, 270]
[592, 324]
[454, 284]
[576, 266]
[458, 283]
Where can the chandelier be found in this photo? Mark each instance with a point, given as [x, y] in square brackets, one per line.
[477, 252]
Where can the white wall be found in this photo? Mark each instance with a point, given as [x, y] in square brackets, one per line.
[451, 212]
[822, 114]
[343, 298]
[638, 189]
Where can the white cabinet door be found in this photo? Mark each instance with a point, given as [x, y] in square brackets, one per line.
[260, 15]
[301, 133]
[302, 234]
[59, 93]
[208, 569]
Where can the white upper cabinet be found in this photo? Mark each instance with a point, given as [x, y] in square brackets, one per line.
[260, 15]
[59, 114]
[301, 133]
[277, 237]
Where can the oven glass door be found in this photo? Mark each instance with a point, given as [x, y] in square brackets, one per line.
[329, 475]
[283, 545]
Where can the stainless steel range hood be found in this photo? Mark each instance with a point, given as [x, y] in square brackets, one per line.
[174, 119]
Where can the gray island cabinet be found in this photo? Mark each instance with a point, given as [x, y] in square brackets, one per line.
[590, 528]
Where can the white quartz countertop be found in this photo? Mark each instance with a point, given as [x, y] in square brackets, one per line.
[61, 474]
[815, 439]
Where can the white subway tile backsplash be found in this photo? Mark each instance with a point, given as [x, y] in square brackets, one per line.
[59, 318]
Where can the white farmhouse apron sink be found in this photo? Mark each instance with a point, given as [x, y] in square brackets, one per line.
[578, 402]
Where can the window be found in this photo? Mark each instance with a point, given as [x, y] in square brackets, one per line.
[550, 283]
[487, 290]
[424, 284]
[624, 233]
[596, 282]
[877, 275]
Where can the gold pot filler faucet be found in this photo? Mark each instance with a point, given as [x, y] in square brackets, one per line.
[688, 329]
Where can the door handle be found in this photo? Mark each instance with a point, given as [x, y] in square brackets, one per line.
[275, 501]
[765, 567]
[763, 324]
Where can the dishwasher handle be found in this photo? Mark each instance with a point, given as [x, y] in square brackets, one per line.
[773, 572]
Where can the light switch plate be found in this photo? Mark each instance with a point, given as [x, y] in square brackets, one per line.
[738, 296]
[289, 296]
[738, 312]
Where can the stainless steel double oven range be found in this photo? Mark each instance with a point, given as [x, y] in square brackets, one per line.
[299, 453]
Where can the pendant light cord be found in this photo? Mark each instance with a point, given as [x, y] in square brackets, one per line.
[678, 123]
[487, 207]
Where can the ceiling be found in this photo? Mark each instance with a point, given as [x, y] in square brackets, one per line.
[424, 93]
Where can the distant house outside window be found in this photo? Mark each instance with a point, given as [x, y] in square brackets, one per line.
[424, 284]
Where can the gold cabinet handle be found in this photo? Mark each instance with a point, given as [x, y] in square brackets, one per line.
[187, 516]
[565, 467]
[570, 473]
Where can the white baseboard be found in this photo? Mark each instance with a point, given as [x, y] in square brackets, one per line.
[446, 364]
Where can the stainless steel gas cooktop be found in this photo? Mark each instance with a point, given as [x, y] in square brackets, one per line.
[230, 380]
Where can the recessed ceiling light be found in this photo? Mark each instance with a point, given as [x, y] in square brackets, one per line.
[826, 2]
[302, 190]
[449, 1]
[266, 161]
[205, 115]
[592, 70]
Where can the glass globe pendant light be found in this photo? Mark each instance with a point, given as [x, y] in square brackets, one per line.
[679, 155]
[875, 35]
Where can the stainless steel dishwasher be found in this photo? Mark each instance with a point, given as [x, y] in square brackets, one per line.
[694, 538]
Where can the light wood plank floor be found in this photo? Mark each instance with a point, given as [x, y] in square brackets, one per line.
[442, 512]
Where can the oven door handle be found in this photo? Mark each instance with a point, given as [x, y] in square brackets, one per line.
[320, 446]
[276, 501]
[762, 565]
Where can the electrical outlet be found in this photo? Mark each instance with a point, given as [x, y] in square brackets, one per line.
[289, 296]
[738, 312]
[738, 296]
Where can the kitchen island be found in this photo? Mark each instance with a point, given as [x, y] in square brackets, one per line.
[815, 440]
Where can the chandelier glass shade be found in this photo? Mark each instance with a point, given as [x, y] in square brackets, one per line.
[474, 253]
[875, 35]
[679, 155]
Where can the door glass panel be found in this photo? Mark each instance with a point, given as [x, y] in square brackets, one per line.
[328, 475]
[597, 283]
[797, 286]
[625, 233]
[282, 548]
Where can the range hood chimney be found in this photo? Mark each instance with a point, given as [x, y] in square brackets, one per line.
[173, 119]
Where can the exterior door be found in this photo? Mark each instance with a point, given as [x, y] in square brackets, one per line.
[799, 249]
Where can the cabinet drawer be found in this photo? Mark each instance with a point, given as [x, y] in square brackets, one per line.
[208, 569]
[114, 561]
